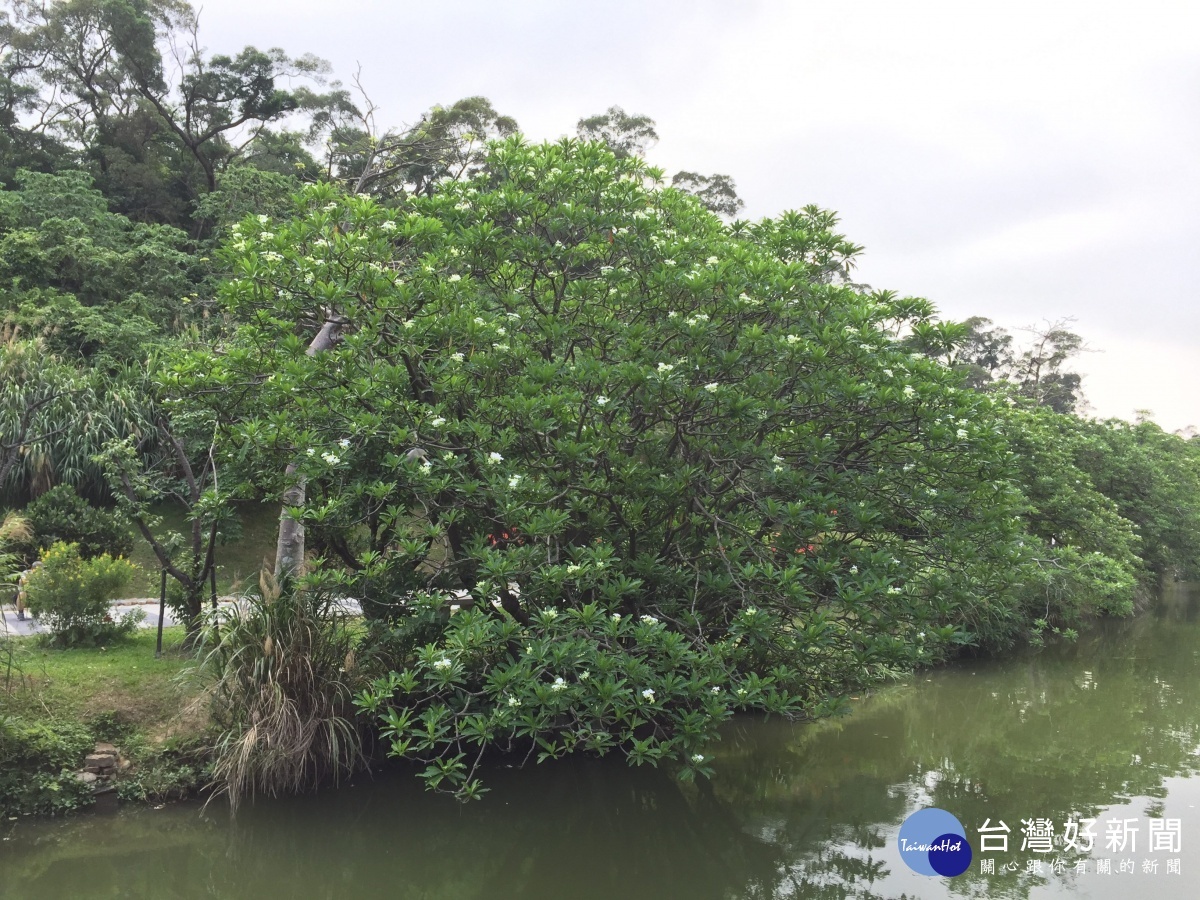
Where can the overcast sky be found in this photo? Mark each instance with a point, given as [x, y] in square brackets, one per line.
[1025, 162]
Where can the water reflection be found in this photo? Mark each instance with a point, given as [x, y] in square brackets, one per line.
[1109, 726]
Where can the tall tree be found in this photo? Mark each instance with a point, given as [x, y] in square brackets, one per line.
[127, 84]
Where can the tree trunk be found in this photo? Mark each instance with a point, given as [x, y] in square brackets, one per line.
[289, 549]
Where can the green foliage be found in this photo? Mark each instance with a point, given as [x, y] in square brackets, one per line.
[583, 679]
[162, 774]
[72, 596]
[1153, 478]
[37, 760]
[1086, 554]
[623, 134]
[718, 193]
[61, 516]
[283, 675]
[54, 418]
[127, 87]
[565, 388]
[89, 282]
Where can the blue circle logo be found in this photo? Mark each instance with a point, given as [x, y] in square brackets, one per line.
[933, 842]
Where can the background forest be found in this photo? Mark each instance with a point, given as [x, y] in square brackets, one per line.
[601, 462]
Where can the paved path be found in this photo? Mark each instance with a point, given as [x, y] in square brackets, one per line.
[13, 625]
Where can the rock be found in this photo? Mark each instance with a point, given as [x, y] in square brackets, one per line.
[99, 762]
[102, 747]
[86, 777]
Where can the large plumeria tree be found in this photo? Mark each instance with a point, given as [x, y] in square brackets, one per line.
[610, 466]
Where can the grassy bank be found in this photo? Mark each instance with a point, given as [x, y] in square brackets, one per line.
[55, 704]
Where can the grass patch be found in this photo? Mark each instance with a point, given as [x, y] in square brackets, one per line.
[54, 704]
[124, 681]
[238, 561]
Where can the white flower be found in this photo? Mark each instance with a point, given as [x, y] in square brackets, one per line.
[715, 689]
[932, 492]
[920, 635]
[456, 277]
[908, 390]
[854, 570]
[559, 684]
[263, 220]
[479, 321]
[776, 458]
[585, 675]
[699, 317]
[893, 590]
[712, 260]
[330, 458]
[457, 357]
[310, 451]
[442, 663]
[908, 467]
[344, 443]
[668, 262]
[494, 458]
[320, 242]
[601, 400]
[649, 620]
[500, 347]
[665, 367]
[329, 207]
[437, 421]
[697, 757]
[712, 387]
[389, 225]
[616, 617]
[962, 434]
[573, 568]
[448, 456]
[409, 323]
[265, 235]
[513, 701]
[426, 467]
[648, 695]
[888, 372]
[514, 481]
[793, 338]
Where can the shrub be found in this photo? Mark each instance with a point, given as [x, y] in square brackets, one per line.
[284, 676]
[580, 679]
[37, 762]
[61, 515]
[72, 596]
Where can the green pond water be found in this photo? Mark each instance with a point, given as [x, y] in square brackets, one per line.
[1106, 728]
